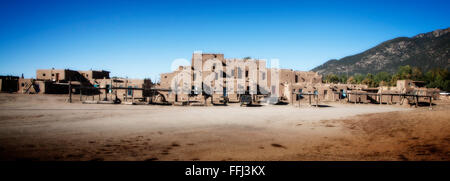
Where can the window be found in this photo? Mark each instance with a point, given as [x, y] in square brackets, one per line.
[43, 75]
[194, 76]
[246, 73]
[129, 92]
[108, 86]
[239, 73]
[23, 84]
[263, 76]
[53, 74]
[194, 90]
[296, 78]
[232, 72]
[216, 74]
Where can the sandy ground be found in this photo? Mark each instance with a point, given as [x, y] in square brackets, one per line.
[44, 127]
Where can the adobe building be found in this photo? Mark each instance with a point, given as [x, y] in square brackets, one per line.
[92, 84]
[213, 79]
[9, 83]
[407, 87]
[31, 86]
[126, 90]
[236, 76]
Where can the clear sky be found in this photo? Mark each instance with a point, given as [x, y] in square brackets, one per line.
[140, 39]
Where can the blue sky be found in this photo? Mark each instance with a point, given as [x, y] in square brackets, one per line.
[140, 39]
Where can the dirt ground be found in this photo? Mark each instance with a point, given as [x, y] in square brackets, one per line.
[45, 127]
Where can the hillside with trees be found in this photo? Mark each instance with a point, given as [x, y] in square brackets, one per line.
[434, 78]
[427, 51]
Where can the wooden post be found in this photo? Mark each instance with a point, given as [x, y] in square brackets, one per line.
[356, 96]
[125, 97]
[298, 97]
[401, 99]
[110, 88]
[431, 100]
[70, 91]
[309, 99]
[132, 95]
[317, 100]
[81, 94]
[115, 92]
[212, 100]
[292, 99]
[106, 94]
[348, 97]
[381, 98]
[417, 100]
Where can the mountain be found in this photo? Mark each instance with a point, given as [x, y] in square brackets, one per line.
[426, 50]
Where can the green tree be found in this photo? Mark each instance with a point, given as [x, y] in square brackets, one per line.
[359, 78]
[416, 74]
[405, 72]
[343, 78]
[382, 77]
[332, 78]
[438, 78]
[368, 80]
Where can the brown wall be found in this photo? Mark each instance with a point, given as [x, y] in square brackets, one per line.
[9, 83]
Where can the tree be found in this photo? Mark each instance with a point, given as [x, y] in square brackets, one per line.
[332, 78]
[383, 83]
[343, 78]
[368, 80]
[351, 80]
[438, 78]
[359, 78]
[382, 77]
[405, 72]
[416, 74]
